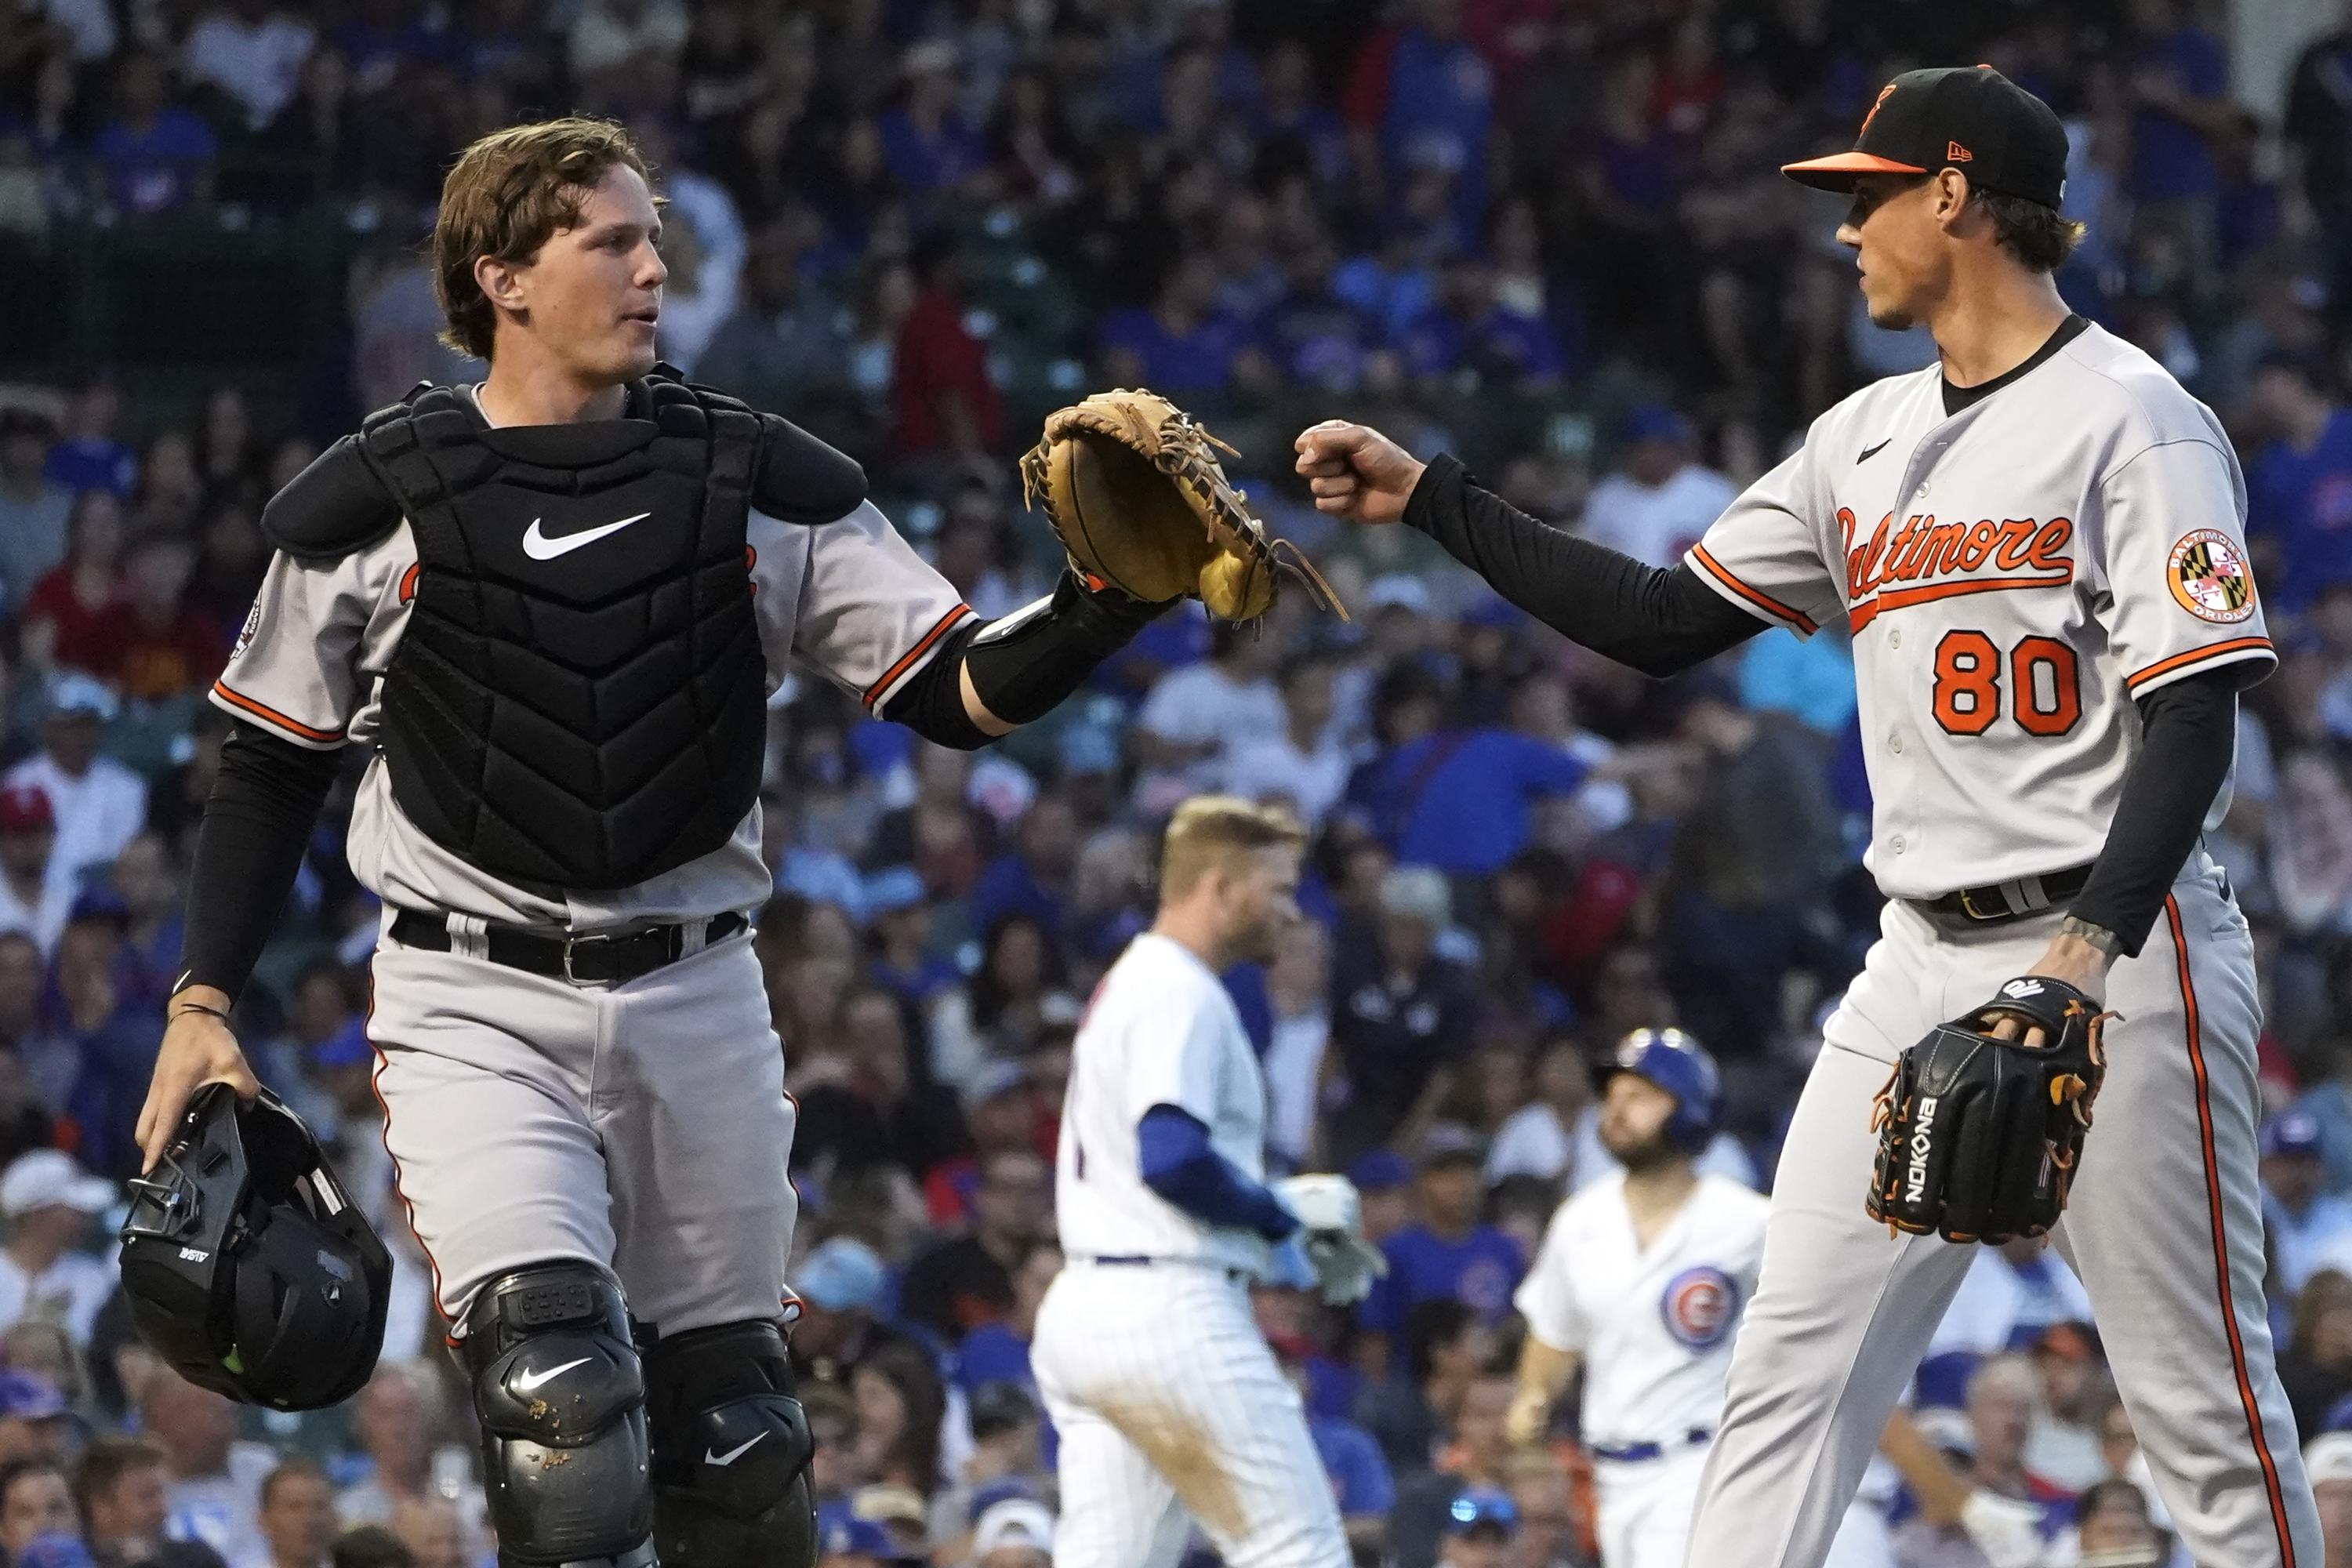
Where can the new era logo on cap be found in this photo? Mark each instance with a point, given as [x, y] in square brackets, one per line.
[1966, 117]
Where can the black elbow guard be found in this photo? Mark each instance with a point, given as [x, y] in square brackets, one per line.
[1026, 663]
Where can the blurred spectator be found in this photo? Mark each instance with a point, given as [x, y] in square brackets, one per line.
[2075, 1392]
[1454, 794]
[2112, 1526]
[73, 614]
[252, 50]
[36, 1505]
[1657, 502]
[50, 1204]
[297, 1519]
[156, 156]
[1301, 762]
[1481, 1527]
[849, 1542]
[999, 1113]
[1298, 989]
[1540, 1491]
[90, 454]
[869, 1109]
[430, 1531]
[399, 1421]
[36, 888]
[967, 1281]
[2299, 484]
[997, 1353]
[2318, 127]
[1014, 1533]
[214, 1484]
[781, 348]
[1423, 97]
[1401, 1014]
[2182, 115]
[170, 648]
[1183, 345]
[2003, 1407]
[924, 138]
[609, 36]
[1446, 1253]
[99, 804]
[1015, 1000]
[2306, 1227]
[1196, 713]
[900, 1407]
[119, 1487]
[2316, 1365]
[840, 1286]
[2327, 1461]
[1475, 1456]
[33, 506]
[35, 1422]
[1007, 1454]
[939, 386]
[1467, 338]
[99, 1049]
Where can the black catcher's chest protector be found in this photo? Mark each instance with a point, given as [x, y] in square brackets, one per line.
[579, 696]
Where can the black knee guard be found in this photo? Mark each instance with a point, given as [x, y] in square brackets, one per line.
[731, 1451]
[562, 1399]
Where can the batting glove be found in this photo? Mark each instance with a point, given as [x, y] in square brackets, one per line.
[1330, 1223]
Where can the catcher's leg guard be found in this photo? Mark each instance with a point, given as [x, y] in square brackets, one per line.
[731, 1451]
[562, 1399]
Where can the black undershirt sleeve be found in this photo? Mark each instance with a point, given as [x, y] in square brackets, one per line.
[2188, 738]
[1659, 620]
[258, 822]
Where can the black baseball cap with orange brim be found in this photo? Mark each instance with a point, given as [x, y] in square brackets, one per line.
[1970, 117]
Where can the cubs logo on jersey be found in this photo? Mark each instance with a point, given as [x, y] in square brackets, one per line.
[2210, 577]
[1700, 1306]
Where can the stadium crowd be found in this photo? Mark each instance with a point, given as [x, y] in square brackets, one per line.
[1547, 234]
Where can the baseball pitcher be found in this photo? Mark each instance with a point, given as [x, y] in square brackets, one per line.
[2039, 544]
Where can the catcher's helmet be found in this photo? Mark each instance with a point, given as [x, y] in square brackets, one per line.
[1679, 1065]
[246, 1264]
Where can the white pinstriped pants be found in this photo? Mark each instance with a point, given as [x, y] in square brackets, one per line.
[1169, 1403]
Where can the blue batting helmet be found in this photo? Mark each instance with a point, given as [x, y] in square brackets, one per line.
[1679, 1065]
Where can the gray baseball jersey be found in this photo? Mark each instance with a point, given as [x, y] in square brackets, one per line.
[849, 599]
[2015, 575]
[643, 1128]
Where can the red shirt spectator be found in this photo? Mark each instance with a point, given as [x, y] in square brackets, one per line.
[76, 617]
[939, 390]
[168, 646]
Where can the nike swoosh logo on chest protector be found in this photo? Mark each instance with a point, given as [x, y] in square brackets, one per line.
[539, 547]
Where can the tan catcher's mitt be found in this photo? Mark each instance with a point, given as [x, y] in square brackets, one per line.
[1133, 487]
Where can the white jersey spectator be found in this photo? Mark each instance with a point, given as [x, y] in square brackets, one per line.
[100, 804]
[48, 1203]
[37, 892]
[251, 50]
[1658, 503]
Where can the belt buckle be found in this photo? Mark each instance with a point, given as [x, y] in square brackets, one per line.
[571, 944]
[1969, 906]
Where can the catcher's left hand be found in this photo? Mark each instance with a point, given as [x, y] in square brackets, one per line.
[1132, 485]
[1977, 1135]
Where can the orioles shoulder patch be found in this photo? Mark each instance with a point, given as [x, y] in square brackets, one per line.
[2210, 577]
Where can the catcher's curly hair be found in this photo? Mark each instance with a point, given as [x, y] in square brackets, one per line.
[504, 196]
[1209, 829]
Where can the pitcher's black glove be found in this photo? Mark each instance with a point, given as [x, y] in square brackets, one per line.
[1978, 1136]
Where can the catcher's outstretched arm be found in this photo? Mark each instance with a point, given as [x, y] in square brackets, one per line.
[1659, 621]
[998, 675]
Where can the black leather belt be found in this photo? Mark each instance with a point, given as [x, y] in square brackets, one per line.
[581, 960]
[1144, 1260]
[1997, 903]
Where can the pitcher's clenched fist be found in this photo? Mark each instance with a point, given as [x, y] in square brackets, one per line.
[1357, 473]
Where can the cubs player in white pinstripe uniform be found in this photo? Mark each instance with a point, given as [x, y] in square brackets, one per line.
[1167, 1399]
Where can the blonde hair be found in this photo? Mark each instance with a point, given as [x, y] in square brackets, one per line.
[506, 195]
[1212, 830]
